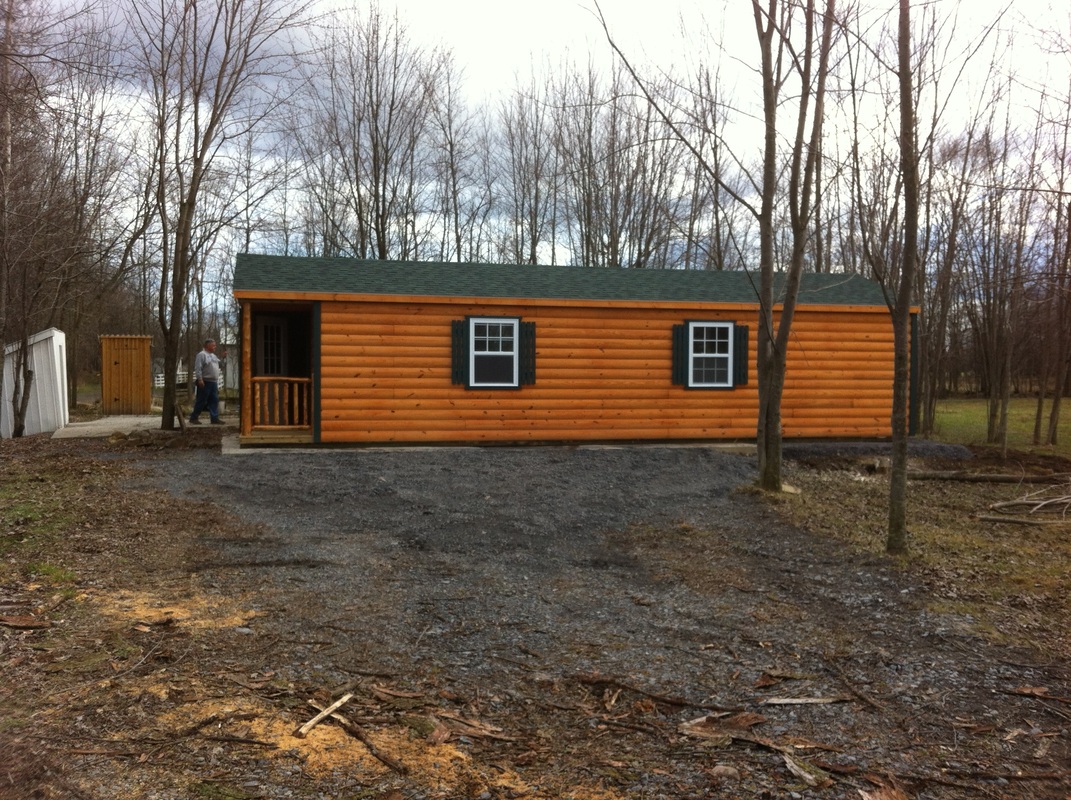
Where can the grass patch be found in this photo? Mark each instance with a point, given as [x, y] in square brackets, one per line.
[57, 576]
[1012, 581]
[963, 421]
[220, 791]
[10, 723]
[37, 505]
[19, 513]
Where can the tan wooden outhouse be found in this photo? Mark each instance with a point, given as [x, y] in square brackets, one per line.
[126, 374]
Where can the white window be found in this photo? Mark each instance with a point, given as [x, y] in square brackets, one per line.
[493, 351]
[710, 354]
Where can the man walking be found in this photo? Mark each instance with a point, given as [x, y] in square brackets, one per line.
[206, 374]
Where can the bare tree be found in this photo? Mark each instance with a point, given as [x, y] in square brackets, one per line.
[367, 136]
[947, 191]
[999, 249]
[890, 201]
[1052, 288]
[527, 165]
[209, 74]
[619, 172]
[109, 199]
[59, 242]
[464, 196]
[896, 540]
[810, 64]
[710, 222]
[783, 59]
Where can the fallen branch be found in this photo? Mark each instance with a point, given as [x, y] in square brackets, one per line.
[101, 751]
[303, 731]
[856, 691]
[1052, 505]
[1037, 523]
[1010, 776]
[25, 622]
[242, 740]
[516, 663]
[808, 773]
[631, 726]
[603, 680]
[909, 777]
[467, 727]
[985, 477]
[725, 736]
[355, 730]
[1038, 693]
[204, 722]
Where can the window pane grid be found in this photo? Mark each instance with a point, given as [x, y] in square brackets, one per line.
[710, 370]
[710, 341]
[494, 361]
[710, 354]
[273, 349]
[492, 338]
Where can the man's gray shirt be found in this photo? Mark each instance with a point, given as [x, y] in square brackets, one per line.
[206, 366]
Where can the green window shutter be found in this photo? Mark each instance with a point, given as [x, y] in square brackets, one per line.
[527, 367]
[680, 355]
[740, 355]
[459, 361]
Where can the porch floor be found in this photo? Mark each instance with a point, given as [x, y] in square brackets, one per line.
[287, 436]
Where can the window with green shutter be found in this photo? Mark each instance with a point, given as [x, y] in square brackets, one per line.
[493, 352]
[710, 355]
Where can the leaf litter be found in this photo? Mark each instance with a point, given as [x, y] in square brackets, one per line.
[170, 679]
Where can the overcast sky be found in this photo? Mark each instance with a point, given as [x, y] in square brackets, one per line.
[496, 39]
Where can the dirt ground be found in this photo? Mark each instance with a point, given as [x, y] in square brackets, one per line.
[583, 623]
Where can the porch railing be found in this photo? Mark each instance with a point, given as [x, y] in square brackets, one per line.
[282, 403]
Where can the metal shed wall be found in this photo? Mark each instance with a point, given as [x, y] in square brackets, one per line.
[47, 410]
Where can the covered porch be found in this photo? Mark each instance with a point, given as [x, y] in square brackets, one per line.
[278, 378]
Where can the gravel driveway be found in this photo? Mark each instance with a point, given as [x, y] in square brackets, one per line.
[540, 579]
[477, 548]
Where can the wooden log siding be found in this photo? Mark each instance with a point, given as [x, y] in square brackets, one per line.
[602, 373]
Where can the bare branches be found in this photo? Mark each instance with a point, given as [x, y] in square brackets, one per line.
[713, 175]
[211, 74]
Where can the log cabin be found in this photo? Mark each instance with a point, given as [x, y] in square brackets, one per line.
[348, 351]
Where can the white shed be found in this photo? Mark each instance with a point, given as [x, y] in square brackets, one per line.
[47, 409]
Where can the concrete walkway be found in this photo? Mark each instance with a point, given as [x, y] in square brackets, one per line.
[106, 426]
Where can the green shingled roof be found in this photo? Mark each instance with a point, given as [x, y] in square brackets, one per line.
[262, 273]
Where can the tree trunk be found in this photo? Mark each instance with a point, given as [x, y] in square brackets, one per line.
[1063, 352]
[5, 178]
[72, 367]
[768, 432]
[896, 543]
[23, 385]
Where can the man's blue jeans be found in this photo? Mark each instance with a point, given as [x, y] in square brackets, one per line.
[207, 397]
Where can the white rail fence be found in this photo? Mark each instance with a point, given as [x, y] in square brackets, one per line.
[181, 378]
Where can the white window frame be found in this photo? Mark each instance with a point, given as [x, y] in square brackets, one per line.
[515, 322]
[727, 356]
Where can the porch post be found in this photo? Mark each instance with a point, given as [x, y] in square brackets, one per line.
[316, 368]
[246, 388]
